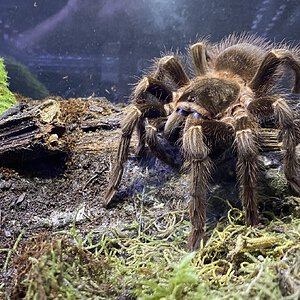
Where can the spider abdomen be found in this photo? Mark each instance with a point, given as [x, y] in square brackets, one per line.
[241, 59]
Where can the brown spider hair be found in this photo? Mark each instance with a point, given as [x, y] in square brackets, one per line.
[234, 87]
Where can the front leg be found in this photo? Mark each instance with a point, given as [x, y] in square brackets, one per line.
[196, 154]
[137, 114]
[247, 163]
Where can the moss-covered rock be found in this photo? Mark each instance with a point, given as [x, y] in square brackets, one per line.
[7, 98]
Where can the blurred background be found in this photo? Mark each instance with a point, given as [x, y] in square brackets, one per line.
[79, 48]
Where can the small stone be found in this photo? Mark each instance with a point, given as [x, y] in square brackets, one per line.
[21, 199]
[260, 258]
[7, 233]
[96, 108]
[49, 110]
[5, 185]
[53, 140]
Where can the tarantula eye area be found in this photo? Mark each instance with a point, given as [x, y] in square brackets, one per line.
[182, 112]
[187, 96]
[197, 115]
[191, 98]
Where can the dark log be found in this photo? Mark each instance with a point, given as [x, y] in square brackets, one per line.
[31, 132]
[268, 138]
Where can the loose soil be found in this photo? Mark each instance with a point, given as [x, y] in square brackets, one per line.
[49, 193]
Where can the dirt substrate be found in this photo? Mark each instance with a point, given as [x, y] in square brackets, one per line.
[60, 194]
[46, 194]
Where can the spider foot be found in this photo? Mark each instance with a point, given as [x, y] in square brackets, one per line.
[108, 198]
[196, 238]
[252, 218]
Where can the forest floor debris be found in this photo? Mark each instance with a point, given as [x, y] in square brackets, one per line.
[147, 259]
[58, 242]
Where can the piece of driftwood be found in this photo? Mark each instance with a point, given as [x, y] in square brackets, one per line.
[29, 132]
[94, 125]
[268, 138]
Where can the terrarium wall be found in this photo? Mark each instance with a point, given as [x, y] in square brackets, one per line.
[98, 47]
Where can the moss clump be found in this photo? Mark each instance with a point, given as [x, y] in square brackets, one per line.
[24, 82]
[147, 260]
[50, 268]
[7, 98]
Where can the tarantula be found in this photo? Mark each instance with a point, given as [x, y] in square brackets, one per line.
[234, 87]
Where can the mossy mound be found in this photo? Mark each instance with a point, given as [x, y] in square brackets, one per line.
[7, 98]
[23, 82]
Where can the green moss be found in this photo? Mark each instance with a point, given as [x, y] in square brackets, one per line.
[7, 98]
[22, 81]
[147, 260]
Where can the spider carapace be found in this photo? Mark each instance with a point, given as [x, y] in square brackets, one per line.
[217, 101]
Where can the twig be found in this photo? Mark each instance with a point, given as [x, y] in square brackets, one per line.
[252, 283]
[11, 251]
[91, 179]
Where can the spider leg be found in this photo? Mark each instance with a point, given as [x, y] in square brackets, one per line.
[289, 133]
[141, 133]
[198, 53]
[153, 86]
[196, 153]
[149, 97]
[161, 93]
[247, 162]
[267, 73]
[171, 67]
[142, 108]
[168, 66]
[155, 144]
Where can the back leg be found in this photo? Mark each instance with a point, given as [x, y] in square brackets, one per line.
[289, 133]
[269, 72]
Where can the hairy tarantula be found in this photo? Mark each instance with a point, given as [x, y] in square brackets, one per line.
[234, 87]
